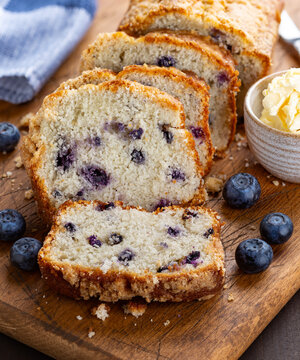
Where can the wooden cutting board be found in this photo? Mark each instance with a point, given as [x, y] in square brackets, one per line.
[217, 329]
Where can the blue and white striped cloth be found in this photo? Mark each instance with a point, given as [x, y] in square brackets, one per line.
[35, 37]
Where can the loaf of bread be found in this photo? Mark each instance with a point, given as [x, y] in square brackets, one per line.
[119, 140]
[192, 54]
[116, 253]
[191, 92]
[248, 29]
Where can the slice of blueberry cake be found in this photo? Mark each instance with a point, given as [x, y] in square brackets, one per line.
[119, 140]
[189, 53]
[192, 92]
[116, 253]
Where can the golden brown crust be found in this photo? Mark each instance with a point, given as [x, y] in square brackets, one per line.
[32, 146]
[82, 282]
[246, 20]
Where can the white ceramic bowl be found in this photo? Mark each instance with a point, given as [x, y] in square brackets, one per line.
[277, 151]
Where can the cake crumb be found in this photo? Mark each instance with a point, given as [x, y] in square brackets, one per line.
[78, 317]
[252, 227]
[9, 174]
[230, 297]
[166, 323]
[283, 184]
[28, 194]
[213, 184]
[238, 137]
[91, 334]
[151, 320]
[24, 122]
[225, 286]
[135, 308]
[247, 164]
[101, 312]
[18, 162]
[230, 158]
[275, 182]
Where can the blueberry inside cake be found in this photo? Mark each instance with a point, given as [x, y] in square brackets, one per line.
[115, 141]
[113, 252]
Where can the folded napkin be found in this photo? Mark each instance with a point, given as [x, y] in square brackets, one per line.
[35, 37]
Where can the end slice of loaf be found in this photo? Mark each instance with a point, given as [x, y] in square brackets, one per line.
[192, 92]
[119, 140]
[192, 54]
[248, 29]
[116, 253]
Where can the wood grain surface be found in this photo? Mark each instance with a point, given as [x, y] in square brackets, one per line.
[217, 329]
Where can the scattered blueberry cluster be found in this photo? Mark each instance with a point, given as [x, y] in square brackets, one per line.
[24, 251]
[242, 191]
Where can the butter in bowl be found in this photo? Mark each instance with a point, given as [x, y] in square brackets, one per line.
[272, 123]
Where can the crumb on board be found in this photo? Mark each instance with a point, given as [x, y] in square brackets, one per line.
[213, 184]
[252, 227]
[135, 308]
[230, 297]
[166, 323]
[225, 286]
[283, 184]
[230, 158]
[9, 174]
[18, 162]
[91, 334]
[24, 122]
[28, 194]
[101, 312]
[78, 317]
[238, 137]
[275, 182]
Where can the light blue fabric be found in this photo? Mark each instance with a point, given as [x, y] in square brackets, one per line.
[35, 37]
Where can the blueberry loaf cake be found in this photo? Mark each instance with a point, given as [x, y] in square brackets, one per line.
[116, 253]
[248, 29]
[192, 54]
[191, 92]
[119, 140]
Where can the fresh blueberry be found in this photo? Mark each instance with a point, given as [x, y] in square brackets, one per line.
[192, 258]
[209, 232]
[137, 156]
[166, 61]
[276, 228]
[253, 256]
[125, 256]
[12, 225]
[198, 133]
[115, 239]
[95, 176]
[189, 214]
[177, 174]
[65, 157]
[241, 191]
[9, 137]
[24, 252]
[94, 241]
[173, 231]
[136, 134]
[70, 227]
[102, 207]
[167, 135]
